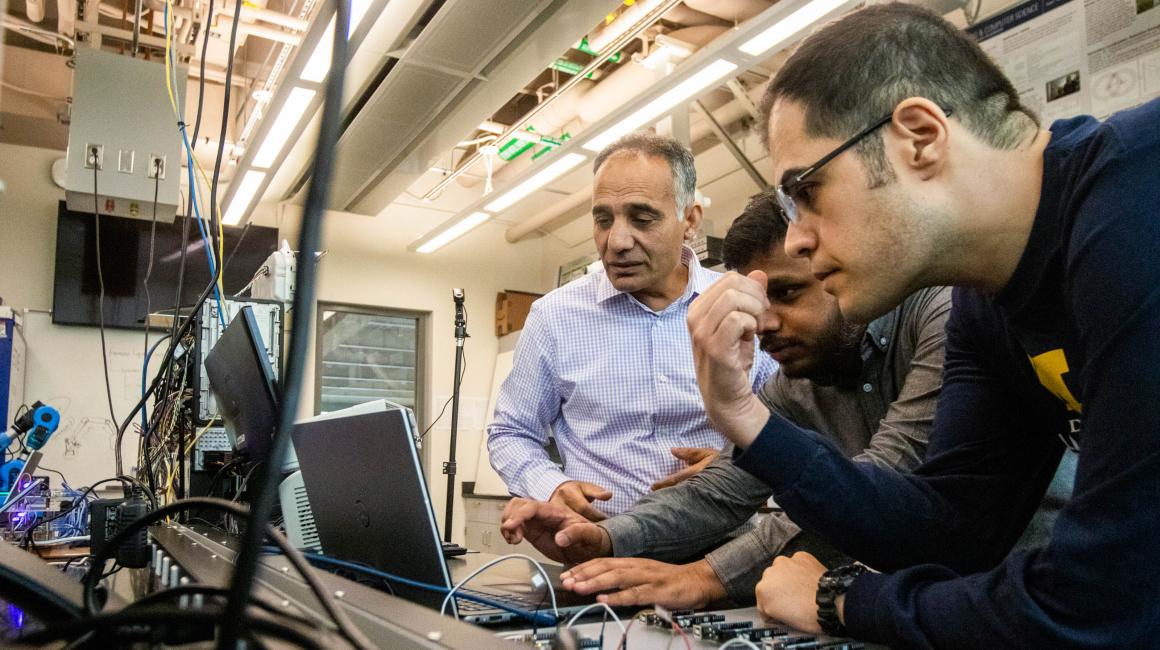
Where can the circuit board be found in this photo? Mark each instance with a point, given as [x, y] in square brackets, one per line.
[660, 630]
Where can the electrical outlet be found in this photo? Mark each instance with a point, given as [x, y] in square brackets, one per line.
[125, 161]
[94, 156]
[156, 167]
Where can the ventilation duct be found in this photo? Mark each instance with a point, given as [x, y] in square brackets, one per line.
[734, 11]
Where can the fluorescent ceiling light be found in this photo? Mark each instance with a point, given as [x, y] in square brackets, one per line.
[454, 232]
[243, 197]
[790, 25]
[647, 114]
[318, 65]
[538, 180]
[288, 118]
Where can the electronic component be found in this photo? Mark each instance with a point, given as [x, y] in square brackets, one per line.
[242, 382]
[268, 317]
[712, 630]
[687, 621]
[661, 627]
[117, 113]
[275, 278]
[803, 642]
[550, 639]
[661, 617]
[747, 633]
[108, 516]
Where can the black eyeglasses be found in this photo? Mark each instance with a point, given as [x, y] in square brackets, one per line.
[785, 191]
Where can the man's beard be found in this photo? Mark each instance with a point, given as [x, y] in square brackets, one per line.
[836, 359]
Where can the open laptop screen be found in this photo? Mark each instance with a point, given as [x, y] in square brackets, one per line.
[368, 494]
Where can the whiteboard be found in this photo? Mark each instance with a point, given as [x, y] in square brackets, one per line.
[64, 370]
[486, 480]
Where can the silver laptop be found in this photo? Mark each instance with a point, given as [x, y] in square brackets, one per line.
[370, 504]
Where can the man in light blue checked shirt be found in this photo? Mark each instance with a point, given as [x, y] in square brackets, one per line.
[605, 362]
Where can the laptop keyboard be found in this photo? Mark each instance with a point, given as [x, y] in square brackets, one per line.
[515, 601]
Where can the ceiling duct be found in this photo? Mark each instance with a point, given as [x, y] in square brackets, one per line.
[471, 58]
[734, 11]
[683, 15]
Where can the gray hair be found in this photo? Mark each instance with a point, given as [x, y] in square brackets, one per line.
[678, 156]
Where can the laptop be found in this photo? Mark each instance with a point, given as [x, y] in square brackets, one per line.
[371, 505]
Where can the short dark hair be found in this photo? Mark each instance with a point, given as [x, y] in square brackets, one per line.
[678, 156]
[753, 234]
[858, 68]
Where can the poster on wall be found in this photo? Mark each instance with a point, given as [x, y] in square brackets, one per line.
[1077, 57]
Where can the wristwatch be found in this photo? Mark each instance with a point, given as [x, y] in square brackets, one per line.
[832, 584]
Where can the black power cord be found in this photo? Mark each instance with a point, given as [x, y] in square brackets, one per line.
[309, 241]
[94, 155]
[462, 374]
[149, 307]
[217, 165]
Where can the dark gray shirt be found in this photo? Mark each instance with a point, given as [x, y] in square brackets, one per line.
[883, 418]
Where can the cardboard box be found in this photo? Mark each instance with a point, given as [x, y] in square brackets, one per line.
[511, 310]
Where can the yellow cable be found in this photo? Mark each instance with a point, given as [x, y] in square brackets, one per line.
[200, 434]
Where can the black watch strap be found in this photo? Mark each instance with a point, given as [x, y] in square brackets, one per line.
[832, 584]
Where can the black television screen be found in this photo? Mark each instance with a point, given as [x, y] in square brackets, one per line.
[125, 260]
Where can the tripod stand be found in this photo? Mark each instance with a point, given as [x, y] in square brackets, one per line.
[449, 466]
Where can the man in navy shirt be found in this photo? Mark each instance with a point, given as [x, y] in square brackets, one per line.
[905, 159]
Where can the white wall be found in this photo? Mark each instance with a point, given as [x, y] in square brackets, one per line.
[367, 263]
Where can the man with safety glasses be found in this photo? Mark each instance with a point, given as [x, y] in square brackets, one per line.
[905, 159]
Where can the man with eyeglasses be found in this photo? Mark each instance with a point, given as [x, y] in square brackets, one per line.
[1053, 239]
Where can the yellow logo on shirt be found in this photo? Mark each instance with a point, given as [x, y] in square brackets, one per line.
[1050, 367]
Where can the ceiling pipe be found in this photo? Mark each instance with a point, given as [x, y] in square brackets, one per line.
[495, 128]
[726, 115]
[217, 75]
[66, 16]
[267, 16]
[683, 15]
[628, 20]
[34, 9]
[734, 11]
[29, 30]
[224, 26]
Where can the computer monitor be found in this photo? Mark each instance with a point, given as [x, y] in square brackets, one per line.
[242, 381]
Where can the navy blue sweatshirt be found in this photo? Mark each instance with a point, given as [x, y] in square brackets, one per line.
[1068, 351]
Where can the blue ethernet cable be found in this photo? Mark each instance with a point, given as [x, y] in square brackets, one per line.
[533, 616]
